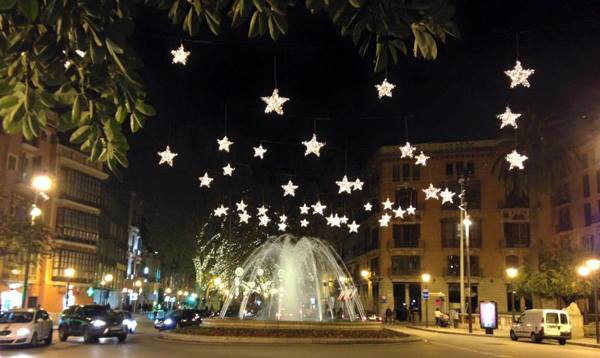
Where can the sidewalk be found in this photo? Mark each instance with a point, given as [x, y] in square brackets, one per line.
[585, 342]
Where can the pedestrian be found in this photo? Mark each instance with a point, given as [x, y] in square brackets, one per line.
[389, 316]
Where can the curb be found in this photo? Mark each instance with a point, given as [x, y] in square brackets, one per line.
[570, 342]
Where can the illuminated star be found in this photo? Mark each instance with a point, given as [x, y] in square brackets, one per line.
[274, 102]
[221, 211]
[289, 189]
[80, 53]
[263, 220]
[262, 210]
[387, 204]
[313, 146]
[344, 185]
[368, 207]
[516, 160]
[385, 89]
[166, 157]
[385, 220]
[228, 170]
[399, 213]
[205, 180]
[344, 219]
[411, 210]
[431, 192]
[421, 159]
[407, 151]
[358, 184]
[180, 55]
[282, 218]
[224, 144]
[259, 152]
[304, 223]
[281, 226]
[304, 209]
[318, 208]
[244, 217]
[508, 118]
[353, 227]
[518, 75]
[333, 220]
[241, 206]
[446, 196]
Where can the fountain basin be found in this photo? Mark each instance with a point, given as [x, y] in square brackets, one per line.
[291, 325]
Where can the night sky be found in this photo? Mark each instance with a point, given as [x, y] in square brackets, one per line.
[455, 97]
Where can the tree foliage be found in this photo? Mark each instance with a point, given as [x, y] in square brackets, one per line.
[19, 236]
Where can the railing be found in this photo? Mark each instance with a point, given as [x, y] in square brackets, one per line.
[406, 244]
[514, 244]
[475, 271]
[404, 272]
[455, 243]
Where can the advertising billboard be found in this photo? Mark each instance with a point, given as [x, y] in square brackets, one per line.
[488, 315]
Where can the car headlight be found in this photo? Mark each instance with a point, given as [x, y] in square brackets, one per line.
[98, 323]
[156, 321]
[23, 332]
[168, 321]
[126, 322]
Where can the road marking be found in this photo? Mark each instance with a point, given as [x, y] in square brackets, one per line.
[471, 350]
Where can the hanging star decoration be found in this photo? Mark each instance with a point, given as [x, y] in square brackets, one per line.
[289, 189]
[304, 223]
[516, 160]
[281, 226]
[333, 220]
[387, 204]
[274, 102]
[241, 206]
[259, 152]
[221, 211]
[357, 184]
[411, 210]
[385, 220]
[304, 209]
[431, 192]
[399, 213]
[283, 218]
[353, 227]
[344, 185]
[344, 219]
[421, 159]
[262, 210]
[166, 157]
[180, 55]
[447, 196]
[263, 220]
[228, 170]
[313, 146]
[244, 217]
[224, 144]
[318, 208]
[385, 89]
[518, 75]
[407, 151]
[205, 180]
[368, 207]
[508, 118]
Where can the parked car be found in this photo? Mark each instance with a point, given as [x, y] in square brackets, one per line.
[540, 324]
[372, 316]
[20, 327]
[129, 321]
[178, 319]
[91, 322]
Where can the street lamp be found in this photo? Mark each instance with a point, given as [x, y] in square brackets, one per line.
[425, 278]
[467, 222]
[365, 274]
[138, 283]
[512, 272]
[593, 266]
[41, 183]
[108, 278]
[69, 274]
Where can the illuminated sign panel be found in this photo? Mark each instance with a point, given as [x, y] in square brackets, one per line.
[488, 315]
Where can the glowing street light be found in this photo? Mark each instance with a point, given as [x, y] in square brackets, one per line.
[365, 274]
[41, 183]
[512, 272]
[138, 283]
[35, 212]
[592, 266]
[168, 290]
[108, 278]
[425, 277]
[179, 293]
[467, 222]
[583, 271]
[217, 281]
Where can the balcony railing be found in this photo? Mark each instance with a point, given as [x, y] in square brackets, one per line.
[563, 227]
[514, 244]
[475, 271]
[455, 243]
[404, 271]
[406, 244]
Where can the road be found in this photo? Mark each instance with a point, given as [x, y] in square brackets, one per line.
[145, 345]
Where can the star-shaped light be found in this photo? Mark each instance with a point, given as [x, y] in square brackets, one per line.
[368, 207]
[304, 209]
[259, 152]
[353, 227]
[180, 55]
[205, 180]
[263, 220]
[407, 151]
[516, 160]
[411, 210]
[289, 189]
[385, 220]
[318, 208]
[224, 144]
[387, 204]
[274, 102]
[431, 192]
[518, 75]
[344, 219]
[281, 226]
[399, 213]
[262, 210]
[344, 185]
[166, 157]
[241, 206]
[228, 170]
[421, 159]
[244, 217]
[333, 220]
[385, 89]
[508, 118]
[221, 211]
[447, 196]
[304, 223]
[282, 218]
[313, 146]
[358, 184]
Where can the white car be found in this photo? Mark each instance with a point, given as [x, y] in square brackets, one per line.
[20, 327]
[540, 324]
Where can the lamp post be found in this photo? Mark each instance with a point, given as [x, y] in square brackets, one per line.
[426, 278]
[593, 266]
[512, 272]
[467, 222]
[69, 274]
[108, 278]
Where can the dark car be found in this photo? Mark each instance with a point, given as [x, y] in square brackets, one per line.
[91, 322]
[178, 319]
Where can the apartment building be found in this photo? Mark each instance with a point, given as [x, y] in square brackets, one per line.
[428, 242]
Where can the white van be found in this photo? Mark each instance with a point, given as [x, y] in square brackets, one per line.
[540, 324]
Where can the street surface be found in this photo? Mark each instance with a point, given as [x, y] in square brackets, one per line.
[145, 345]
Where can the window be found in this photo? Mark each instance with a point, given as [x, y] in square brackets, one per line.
[460, 168]
[396, 172]
[586, 186]
[470, 169]
[454, 265]
[405, 172]
[511, 261]
[406, 197]
[450, 233]
[374, 239]
[552, 318]
[562, 194]
[416, 175]
[454, 293]
[84, 264]
[516, 234]
[374, 266]
[449, 170]
[587, 214]
[12, 162]
[79, 187]
[406, 235]
[588, 243]
[474, 195]
[564, 319]
[564, 219]
[406, 265]
[37, 164]
[565, 242]
[77, 226]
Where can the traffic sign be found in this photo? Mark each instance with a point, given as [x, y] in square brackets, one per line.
[425, 294]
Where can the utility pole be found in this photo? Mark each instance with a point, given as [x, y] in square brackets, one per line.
[461, 244]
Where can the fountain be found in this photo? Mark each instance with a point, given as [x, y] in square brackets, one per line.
[293, 279]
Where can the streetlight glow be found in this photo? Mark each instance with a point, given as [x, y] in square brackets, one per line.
[467, 222]
[425, 277]
[108, 277]
[168, 290]
[217, 281]
[583, 271]
[138, 283]
[593, 264]
[512, 272]
[35, 211]
[70, 272]
[41, 183]
[365, 274]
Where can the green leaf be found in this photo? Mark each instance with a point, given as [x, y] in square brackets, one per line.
[29, 8]
[145, 109]
[7, 4]
[80, 134]
[8, 102]
[76, 109]
[253, 29]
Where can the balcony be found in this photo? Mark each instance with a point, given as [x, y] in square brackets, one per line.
[514, 244]
[563, 227]
[454, 243]
[514, 214]
[454, 271]
[404, 271]
[406, 244]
